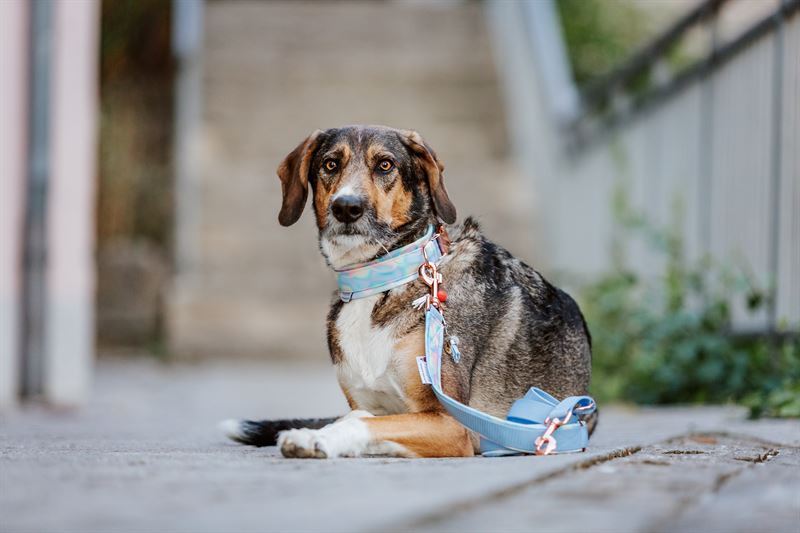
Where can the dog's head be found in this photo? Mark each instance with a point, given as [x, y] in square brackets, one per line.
[373, 188]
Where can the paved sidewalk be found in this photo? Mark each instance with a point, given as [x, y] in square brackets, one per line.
[145, 456]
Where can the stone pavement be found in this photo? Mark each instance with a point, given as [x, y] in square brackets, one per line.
[145, 456]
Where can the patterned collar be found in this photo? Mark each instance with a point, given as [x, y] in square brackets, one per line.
[394, 269]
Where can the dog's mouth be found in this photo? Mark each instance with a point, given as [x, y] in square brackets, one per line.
[366, 228]
[348, 241]
[347, 234]
[347, 244]
[350, 230]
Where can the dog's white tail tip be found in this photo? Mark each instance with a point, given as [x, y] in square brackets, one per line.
[231, 428]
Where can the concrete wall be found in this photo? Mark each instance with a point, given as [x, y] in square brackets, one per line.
[13, 132]
[71, 273]
[669, 153]
[69, 318]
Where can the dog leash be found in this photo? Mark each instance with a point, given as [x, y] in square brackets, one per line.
[536, 424]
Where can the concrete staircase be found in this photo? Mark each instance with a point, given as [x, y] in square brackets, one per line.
[274, 72]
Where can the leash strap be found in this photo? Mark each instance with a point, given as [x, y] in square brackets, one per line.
[537, 423]
[392, 270]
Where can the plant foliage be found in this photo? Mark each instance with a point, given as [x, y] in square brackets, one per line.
[669, 338]
[600, 34]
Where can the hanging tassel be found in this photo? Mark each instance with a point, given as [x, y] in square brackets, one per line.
[420, 302]
[454, 353]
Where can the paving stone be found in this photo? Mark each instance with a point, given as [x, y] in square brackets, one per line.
[145, 456]
[764, 495]
[703, 483]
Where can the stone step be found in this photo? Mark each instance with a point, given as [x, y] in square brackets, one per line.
[206, 321]
[476, 136]
[320, 41]
[276, 71]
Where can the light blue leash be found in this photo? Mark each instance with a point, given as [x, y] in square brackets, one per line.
[536, 423]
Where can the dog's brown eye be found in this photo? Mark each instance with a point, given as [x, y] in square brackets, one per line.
[385, 165]
[330, 165]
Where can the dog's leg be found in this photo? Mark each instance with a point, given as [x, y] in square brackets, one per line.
[359, 433]
[347, 437]
[432, 434]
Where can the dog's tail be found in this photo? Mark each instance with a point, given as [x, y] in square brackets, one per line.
[265, 432]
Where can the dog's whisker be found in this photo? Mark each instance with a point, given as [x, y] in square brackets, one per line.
[385, 249]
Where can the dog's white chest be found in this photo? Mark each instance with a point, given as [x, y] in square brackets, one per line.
[368, 370]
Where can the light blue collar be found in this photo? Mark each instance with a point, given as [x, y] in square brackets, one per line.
[394, 269]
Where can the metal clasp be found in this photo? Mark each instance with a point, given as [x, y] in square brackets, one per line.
[432, 278]
[428, 272]
[546, 444]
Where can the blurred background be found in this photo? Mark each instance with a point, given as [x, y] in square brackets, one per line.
[643, 154]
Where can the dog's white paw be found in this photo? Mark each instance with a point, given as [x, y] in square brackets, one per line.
[345, 438]
[303, 443]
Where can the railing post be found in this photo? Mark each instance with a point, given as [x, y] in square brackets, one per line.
[34, 294]
[776, 170]
[704, 204]
[547, 42]
[187, 44]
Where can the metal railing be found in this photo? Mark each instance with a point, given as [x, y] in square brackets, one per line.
[758, 57]
[608, 101]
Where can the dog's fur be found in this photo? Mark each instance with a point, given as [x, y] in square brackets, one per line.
[516, 330]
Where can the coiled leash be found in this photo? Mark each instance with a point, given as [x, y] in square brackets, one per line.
[536, 423]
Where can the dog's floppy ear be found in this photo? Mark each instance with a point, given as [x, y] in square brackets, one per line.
[435, 171]
[293, 172]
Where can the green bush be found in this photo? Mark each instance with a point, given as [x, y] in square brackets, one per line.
[668, 339]
[600, 34]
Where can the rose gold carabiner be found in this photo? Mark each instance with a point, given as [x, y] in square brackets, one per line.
[428, 273]
[546, 444]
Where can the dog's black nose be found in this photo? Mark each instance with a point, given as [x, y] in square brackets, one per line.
[347, 208]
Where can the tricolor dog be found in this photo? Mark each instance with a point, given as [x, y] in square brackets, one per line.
[376, 191]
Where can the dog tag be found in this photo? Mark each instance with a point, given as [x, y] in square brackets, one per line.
[422, 366]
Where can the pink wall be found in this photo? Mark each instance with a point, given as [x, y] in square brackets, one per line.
[69, 342]
[13, 135]
[71, 210]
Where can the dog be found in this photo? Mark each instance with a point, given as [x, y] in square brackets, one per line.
[375, 189]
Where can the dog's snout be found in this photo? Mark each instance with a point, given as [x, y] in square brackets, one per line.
[347, 208]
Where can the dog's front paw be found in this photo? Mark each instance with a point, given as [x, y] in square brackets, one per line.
[303, 443]
[345, 438]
